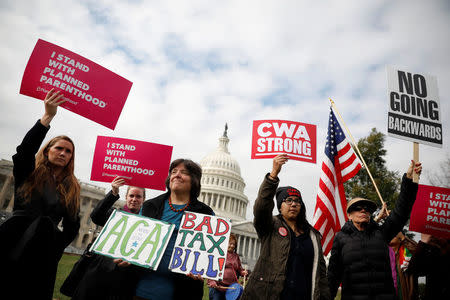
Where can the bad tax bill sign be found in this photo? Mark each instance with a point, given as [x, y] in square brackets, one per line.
[136, 239]
[201, 246]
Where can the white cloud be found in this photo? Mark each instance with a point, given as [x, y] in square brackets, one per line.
[198, 64]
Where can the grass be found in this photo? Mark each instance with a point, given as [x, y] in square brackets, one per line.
[64, 267]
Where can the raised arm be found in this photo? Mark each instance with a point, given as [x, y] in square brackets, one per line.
[103, 210]
[24, 159]
[403, 206]
[264, 204]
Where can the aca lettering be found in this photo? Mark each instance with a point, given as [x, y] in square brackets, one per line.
[119, 235]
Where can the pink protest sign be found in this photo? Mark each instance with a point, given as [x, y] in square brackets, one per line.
[142, 164]
[273, 137]
[431, 211]
[91, 90]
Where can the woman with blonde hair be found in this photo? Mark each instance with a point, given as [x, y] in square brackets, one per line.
[46, 192]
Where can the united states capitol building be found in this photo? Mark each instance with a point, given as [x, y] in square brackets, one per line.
[223, 190]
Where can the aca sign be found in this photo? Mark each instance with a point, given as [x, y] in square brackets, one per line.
[273, 137]
[136, 239]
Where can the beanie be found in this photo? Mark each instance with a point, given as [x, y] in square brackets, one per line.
[287, 191]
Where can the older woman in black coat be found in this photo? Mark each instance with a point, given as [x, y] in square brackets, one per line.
[360, 256]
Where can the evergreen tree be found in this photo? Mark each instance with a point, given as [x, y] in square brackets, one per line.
[388, 182]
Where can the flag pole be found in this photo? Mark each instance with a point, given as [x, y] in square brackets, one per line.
[357, 149]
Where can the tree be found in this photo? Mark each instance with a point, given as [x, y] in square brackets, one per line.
[442, 176]
[388, 182]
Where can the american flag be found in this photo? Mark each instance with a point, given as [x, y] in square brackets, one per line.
[339, 165]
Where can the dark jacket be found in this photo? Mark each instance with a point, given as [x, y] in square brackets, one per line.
[434, 263]
[103, 278]
[185, 287]
[32, 243]
[360, 259]
[268, 278]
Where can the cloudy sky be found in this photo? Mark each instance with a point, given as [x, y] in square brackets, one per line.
[198, 64]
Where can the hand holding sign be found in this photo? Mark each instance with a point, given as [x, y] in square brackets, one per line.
[116, 184]
[416, 167]
[278, 162]
[51, 102]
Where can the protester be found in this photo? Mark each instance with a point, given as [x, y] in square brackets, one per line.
[360, 256]
[401, 249]
[432, 259]
[103, 278]
[183, 185]
[45, 192]
[405, 282]
[233, 269]
[291, 264]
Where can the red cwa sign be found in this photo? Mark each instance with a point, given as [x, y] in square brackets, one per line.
[273, 137]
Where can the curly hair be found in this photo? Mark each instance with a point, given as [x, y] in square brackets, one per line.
[195, 172]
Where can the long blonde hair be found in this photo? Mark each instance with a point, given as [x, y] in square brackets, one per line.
[66, 183]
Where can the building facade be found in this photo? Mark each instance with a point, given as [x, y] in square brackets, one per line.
[223, 190]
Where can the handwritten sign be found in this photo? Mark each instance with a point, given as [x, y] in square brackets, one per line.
[201, 246]
[142, 164]
[134, 238]
[414, 109]
[273, 137]
[431, 211]
[91, 90]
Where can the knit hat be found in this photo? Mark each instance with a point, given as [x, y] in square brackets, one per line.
[286, 191]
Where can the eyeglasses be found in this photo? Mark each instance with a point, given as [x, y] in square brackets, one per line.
[360, 207]
[289, 201]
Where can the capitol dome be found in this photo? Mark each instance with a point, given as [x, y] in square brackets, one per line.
[222, 184]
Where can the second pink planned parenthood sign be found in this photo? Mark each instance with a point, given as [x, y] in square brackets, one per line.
[91, 90]
[142, 164]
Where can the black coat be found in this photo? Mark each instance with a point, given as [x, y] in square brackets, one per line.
[104, 279]
[31, 242]
[360, 259]
[185, 287]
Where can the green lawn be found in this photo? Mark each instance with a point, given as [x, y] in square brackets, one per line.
[65, 266]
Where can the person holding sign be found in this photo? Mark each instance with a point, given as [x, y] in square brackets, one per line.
[233, 269]
[45, 192]
[360, 255]
[183, 188]
[103, 279]
[291, 264]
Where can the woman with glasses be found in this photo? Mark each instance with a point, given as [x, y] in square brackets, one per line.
[360, 255]
[291, 263]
